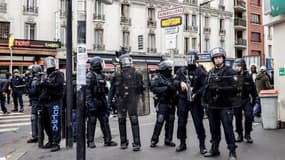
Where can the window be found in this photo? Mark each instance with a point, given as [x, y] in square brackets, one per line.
[206, 21]
[151, 14]
[151, 41]
[81, 10]
[126, 38]
[30, 31]
[255, 37]
[255, 18]
[269, 33]
[222, 44]
[125, 10]
[98, 38]
[62, 36]
[186, 19]
[255, 2]
[81, 32]
[194, 43]
[99, 10]
[269, 50]
[207, 45]
[62, 7]
[222, 24]
[194, 20]
[4, 30]
[31, 4]
[255, 52]
[186, 45]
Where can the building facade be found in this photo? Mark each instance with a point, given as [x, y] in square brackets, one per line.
[32, 24]
[275, 20]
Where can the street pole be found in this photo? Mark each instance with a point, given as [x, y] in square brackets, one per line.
[69, 90]
[200, 27]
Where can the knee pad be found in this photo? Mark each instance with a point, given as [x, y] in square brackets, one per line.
[160, 118]
[134, 120]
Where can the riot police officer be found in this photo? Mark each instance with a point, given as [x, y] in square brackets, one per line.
[34, 91]
[50, 100]
[163, 87]
[18, 86]
[126, 87]
[97, 104]
[222, 94]
[4, 84]
[249, 97]
[190, 81]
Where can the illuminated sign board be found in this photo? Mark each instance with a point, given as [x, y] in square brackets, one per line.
[170, 22]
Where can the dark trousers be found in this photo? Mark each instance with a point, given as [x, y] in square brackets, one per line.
[3, 103]
[18, 96]
[224, 116]
[248, 113]
[51, 121]
[197, 112]
[34, 118]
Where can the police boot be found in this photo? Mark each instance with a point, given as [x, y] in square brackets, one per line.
[123, 133]
[55, 147]
[169, 131]
[232, 155]
[202, 147]
[136, 133]
[91, 125]
[157, 130]
[107, 133]
[239, 138]
[182, 146]
[248, 138]
[34, 125]
[214, 151]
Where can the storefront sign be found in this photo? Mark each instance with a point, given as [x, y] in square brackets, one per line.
[32, 43]
[170, 22]
[171, 12]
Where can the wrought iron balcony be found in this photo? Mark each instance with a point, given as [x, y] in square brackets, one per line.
[151, 50]
[241, 43]
[126, 21]
[30, 10]
[99, 47]
[151, 24]
[207, 30]
[240, 5]
[240, 23]
[100, 17]
[222, 32]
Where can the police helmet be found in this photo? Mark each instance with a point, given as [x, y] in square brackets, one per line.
[191, 57]
[165, 65]
[49, 62]
[16, 71]
[217, 52]
[240, 62]
[126, 60]
[97, 63]
[36, 69]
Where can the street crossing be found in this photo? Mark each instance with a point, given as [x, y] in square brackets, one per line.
[13, 121]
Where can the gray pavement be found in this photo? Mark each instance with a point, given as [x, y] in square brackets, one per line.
[268, 145]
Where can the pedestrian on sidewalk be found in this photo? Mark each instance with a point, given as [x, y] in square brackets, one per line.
[4, 83]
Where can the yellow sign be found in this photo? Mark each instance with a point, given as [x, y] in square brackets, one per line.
[11, 41]
[175, 21]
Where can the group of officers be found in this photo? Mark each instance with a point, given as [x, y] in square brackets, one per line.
[223, 93]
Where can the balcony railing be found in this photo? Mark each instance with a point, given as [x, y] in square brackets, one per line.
[99, 47]
[222, 32]
[194, 28]
[151, 24]
[3, 7]
[241, 42]
[240, 22]
[151, 50]
[240, 4]
[99, 17]
[126, 21]
[269, 37]
[30, 10]
[62, 13]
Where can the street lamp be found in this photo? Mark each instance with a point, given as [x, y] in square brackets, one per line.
[200, 25]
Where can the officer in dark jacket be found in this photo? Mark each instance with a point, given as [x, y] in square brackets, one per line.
[50, 100]
[18, 86]
[189, 81]
[222, 94]
[163, 87]
[34, 91]
[4, 84]
[126, 87]
[97, 104]
[249, 97]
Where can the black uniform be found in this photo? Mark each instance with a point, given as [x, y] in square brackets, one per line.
[196, 78]
[34, 90]
[50, 100]
[165, 91]
[4, 84]
[18, 87]
[127, 86]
